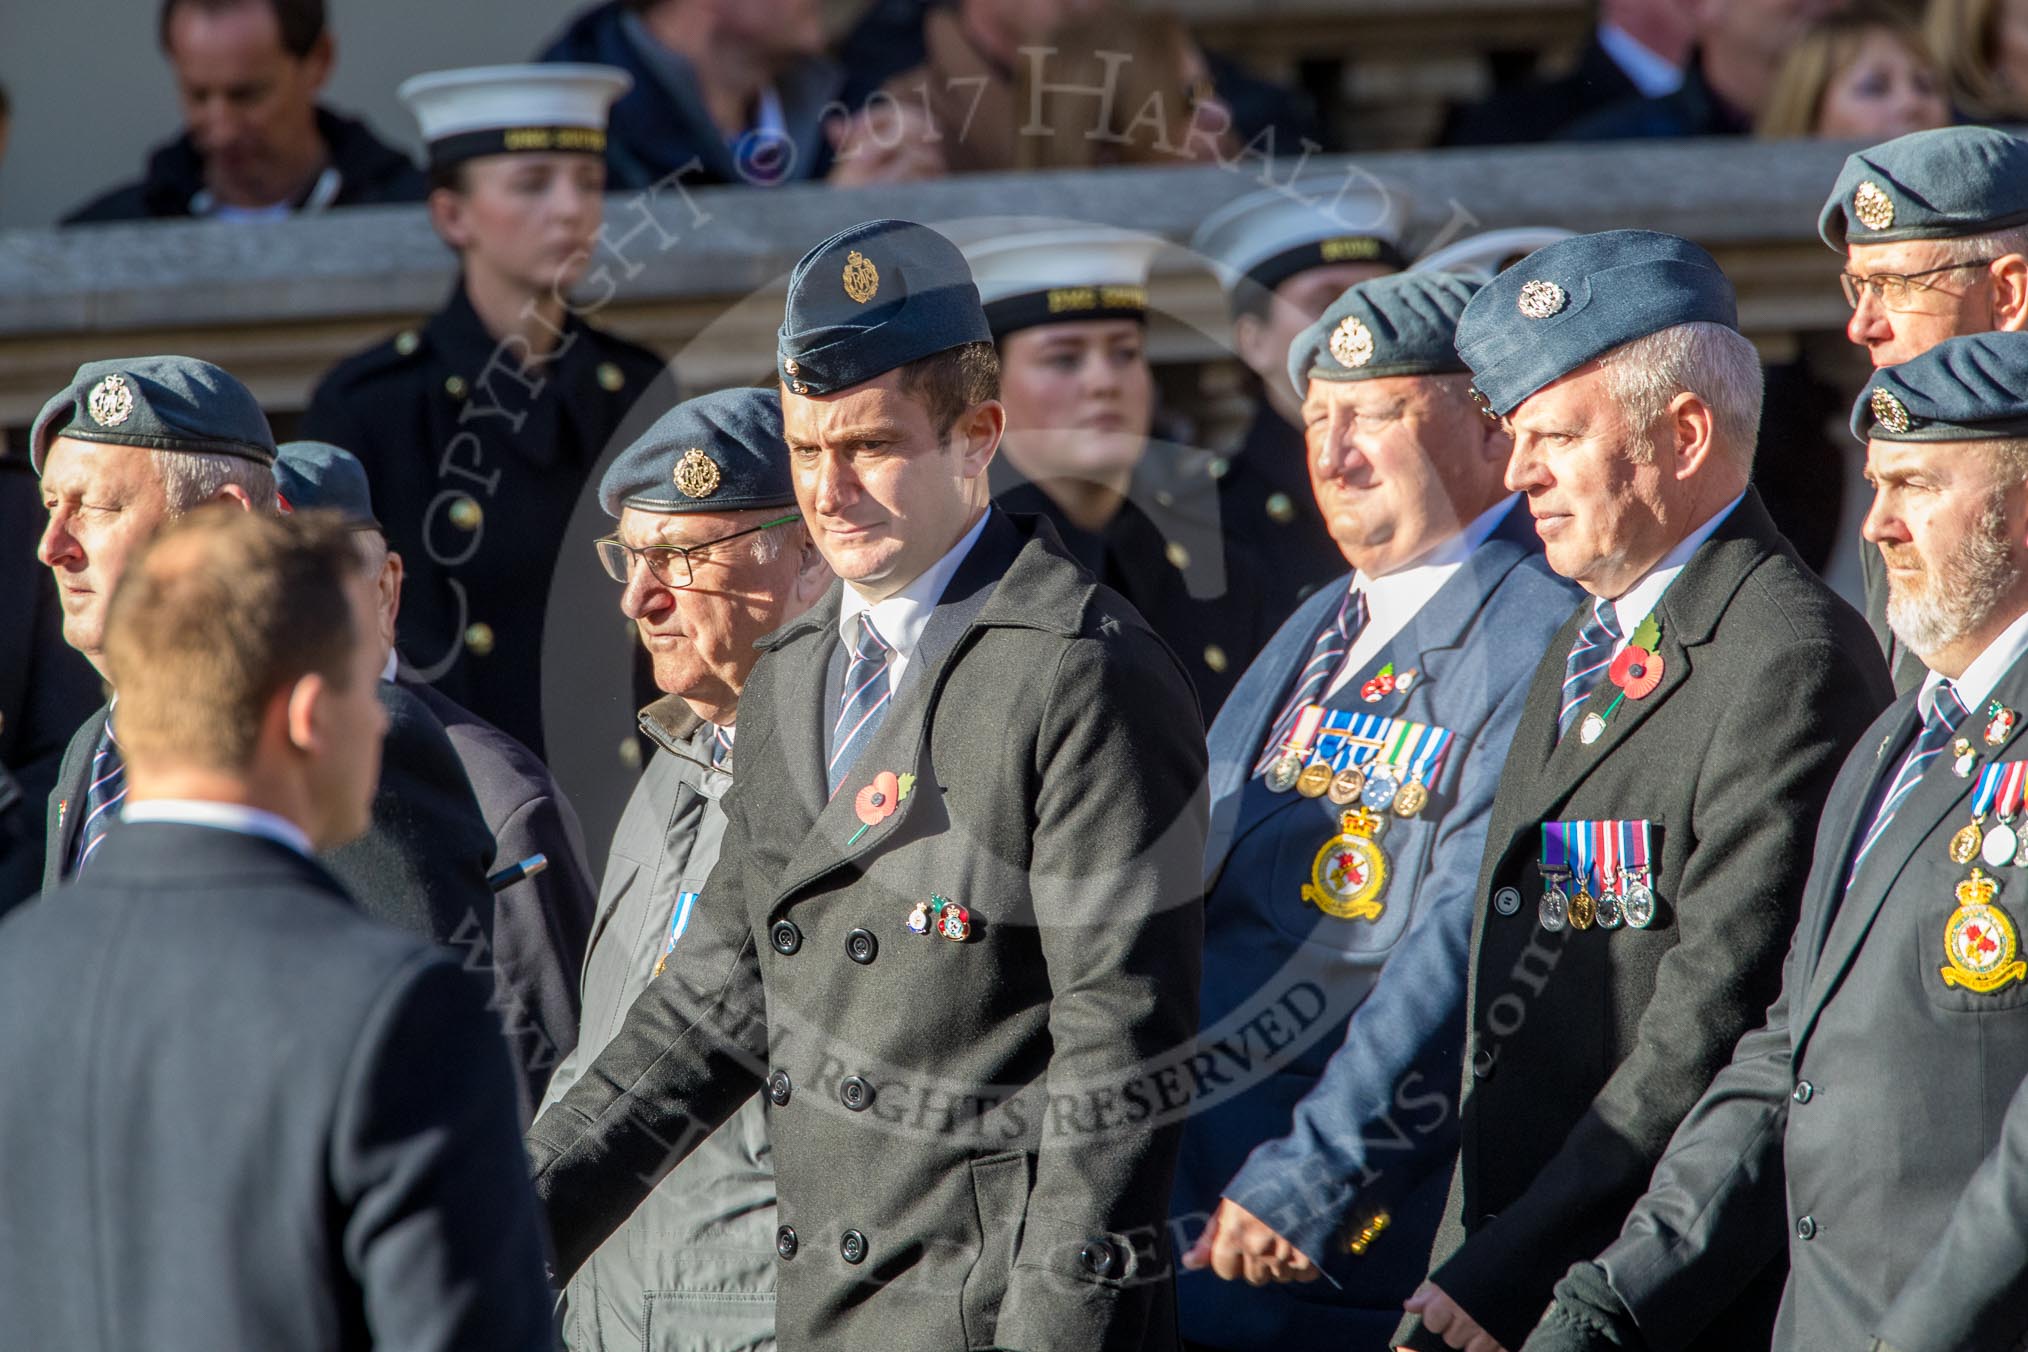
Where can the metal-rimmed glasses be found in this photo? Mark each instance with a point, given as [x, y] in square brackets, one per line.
[1897, 289]
[669, 565]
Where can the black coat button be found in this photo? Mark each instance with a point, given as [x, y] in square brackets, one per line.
[1507, 901]
[861, 946]
[1806, 1227]
[1099, 1257]
[785, 937]
[778, 1088]
[852, 1247]
[855, 1094]
[1805, 1091]
[1482, 1064]
[785, 1243]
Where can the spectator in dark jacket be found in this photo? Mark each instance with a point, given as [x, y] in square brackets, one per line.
[256, 145]
[1638, 50]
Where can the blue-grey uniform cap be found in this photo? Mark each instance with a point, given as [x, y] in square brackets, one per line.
[317, 476]
[1578, 299]
[1942, 184]
[872, 298]
[1405, 324]
[1973, 388]
[163, 403]
[719, 452]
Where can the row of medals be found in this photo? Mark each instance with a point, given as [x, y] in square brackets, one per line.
[2000, 846]
[1379, 790]
[1632, 904]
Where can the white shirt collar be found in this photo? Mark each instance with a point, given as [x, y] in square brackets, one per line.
[248, 821]
[902, 617]
[387, 672]
[1651, 72]
[1393, 599]
[1975, 687]
[1639, 601]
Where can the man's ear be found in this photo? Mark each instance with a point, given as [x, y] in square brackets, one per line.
[317, 62]
[813, 574]
[391, 574]
[232, 493]
[304, 713]
[977, 432]
[2010, 293]
[1691, 433]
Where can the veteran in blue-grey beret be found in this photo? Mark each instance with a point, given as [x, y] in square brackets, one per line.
[1447, 609]
[317, 476]
[1680, 736]
[968, 800]
[1934, 227]
[711, 555]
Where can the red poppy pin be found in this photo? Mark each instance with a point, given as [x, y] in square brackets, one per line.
[1637, 671]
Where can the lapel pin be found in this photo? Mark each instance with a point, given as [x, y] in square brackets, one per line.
[876, 802]
[2000, 722]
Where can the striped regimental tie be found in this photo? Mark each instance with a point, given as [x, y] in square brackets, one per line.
[1589, 659]
[102, 800]
[1946, 711]
[1332, 644]
[863, 703]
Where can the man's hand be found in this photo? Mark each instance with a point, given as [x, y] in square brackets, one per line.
[1239, 1244]
[1442, 1316]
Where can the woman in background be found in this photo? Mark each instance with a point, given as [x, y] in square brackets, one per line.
[1864, 74]
[1982, 46]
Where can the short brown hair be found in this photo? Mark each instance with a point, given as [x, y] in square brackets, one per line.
[301, 21]
[222, 610]
[951, 381]
[1795, 102]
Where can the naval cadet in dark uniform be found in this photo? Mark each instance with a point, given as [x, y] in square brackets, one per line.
[1865, 1127]
[1345, 891]
[1281, 256]
[1650, 837]
[966, 837]
[480, 430]
[1069, 310]
[1934, 229]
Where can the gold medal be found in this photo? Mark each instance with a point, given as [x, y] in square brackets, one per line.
[1964, 847]
[1315, 778]
[1347, 785]
[1980, 941]
[1412, 799]
[1350, 871]
[1583, 910]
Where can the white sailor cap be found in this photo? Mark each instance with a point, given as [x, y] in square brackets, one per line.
[1268, 237]
[500, 110]
[1057, 276]
[1483, 257]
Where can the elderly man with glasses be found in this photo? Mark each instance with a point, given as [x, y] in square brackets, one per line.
[713, 555]
[1934, 227]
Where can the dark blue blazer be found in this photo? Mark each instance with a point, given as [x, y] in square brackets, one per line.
[1313, 1142]
[241, 1115]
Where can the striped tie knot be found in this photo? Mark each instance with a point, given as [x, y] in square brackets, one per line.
[1589, 659]
[1939, 724]
[863, 702]
[1326, 655]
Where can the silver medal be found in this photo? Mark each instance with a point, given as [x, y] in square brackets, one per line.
[1639, 905]
[1610, 916]
[1554, 912]
[1281, 776]
[2001, 844]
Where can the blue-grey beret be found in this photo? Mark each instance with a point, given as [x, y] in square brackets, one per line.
[1405, 324]
[719, 452]
[164, 403]
[1973, 388]
[1579, 298]
[315, 475]
[1941, 184]
[872, 298]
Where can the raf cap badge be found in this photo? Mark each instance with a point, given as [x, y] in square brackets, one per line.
[1873, 207]
[111, 402]
[1980, 941]
[1888, 411]
[1352, 342]
[696, 476]
[862, 279]
[1540, 299]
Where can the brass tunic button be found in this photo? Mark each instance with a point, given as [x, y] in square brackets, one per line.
[455, 386]
[790, 365]
[466, 514]
[611, 378]
[479, 638]
[1218, 467]
[1164, 498]
[1280, 509]
[1178, 556]
[407, 341]
[1215, 658]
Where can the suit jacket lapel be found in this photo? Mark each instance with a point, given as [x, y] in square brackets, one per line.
[1888, 751]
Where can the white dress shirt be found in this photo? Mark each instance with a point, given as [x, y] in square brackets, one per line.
[1393, 600]
[902, 617]
[1651, 72]
[248, 821]
[1638, 602]
[1975, 687]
